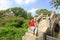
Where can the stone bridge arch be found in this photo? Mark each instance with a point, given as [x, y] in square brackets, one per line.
[55, 28]
[52, 24]
[47, 25]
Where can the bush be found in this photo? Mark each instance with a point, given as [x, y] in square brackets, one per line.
[14, 21]
[13, 29]
[1, 18]
[13, 26]
[25, 24]
[12, 33]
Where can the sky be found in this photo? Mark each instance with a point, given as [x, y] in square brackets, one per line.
[28, 5]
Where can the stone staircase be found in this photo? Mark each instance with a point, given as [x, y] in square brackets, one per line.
[29, 36]
[44, 23]
[42, 27]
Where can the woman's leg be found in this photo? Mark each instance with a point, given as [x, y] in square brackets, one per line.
[36, 31]
[33, 29]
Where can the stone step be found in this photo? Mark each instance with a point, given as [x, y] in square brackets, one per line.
[29, 36]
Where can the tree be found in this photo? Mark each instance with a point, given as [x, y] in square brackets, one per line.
[14, 27]
[44, 11]
[58, 15]
[29, 16]
[55, 3]
[18, 11]
[1, 13]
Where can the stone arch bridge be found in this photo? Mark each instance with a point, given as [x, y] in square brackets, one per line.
[48, 28]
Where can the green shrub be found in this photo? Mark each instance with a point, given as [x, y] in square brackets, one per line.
[1, 18]
[14, 29]
[12, 33]
[14, 21]
[25, 25]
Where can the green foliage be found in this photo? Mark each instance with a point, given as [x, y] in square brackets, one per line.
[13, 30]
[14, 21]
[25, 24]
[55, 3]
[1, 18]
[1, 13]
[44, 11]
[18, 11]
[29, 16]
[11, 33]
[13, 27]
[58, 15]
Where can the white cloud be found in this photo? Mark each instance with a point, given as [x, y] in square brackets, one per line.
[33, 10]
[19, 1]
[24, 1]
[4, 4]
[29, 1]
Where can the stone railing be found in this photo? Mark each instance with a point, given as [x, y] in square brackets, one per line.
[51, 38]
